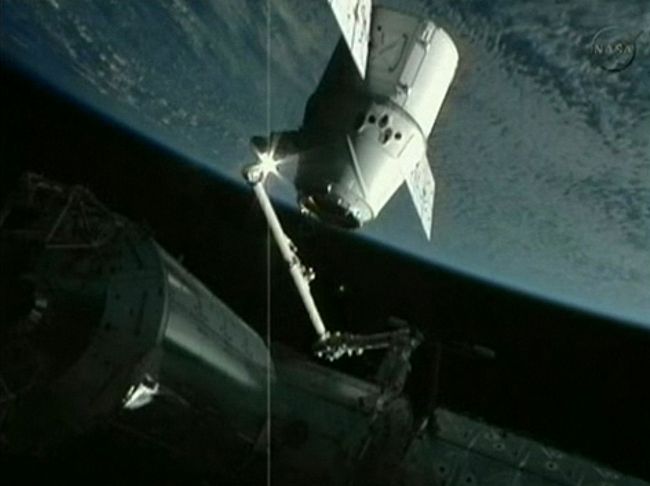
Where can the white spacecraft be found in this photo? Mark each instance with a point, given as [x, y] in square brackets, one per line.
[364, 133]
[366, 126]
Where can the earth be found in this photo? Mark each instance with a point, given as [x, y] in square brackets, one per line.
[541, 152]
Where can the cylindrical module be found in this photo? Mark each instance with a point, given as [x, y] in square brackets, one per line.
[109, 330]
[109, 320]
[365, 138]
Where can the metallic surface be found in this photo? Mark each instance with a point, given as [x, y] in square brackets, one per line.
[353, 18]
[466, 451]
[300, 274]
[113, 332]
[146, 317]
[372, 135]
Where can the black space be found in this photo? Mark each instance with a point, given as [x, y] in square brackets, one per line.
[571, 379]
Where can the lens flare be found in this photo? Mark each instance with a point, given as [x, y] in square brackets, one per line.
[267, 164]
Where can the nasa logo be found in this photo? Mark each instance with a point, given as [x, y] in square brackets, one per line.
[613, 49]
